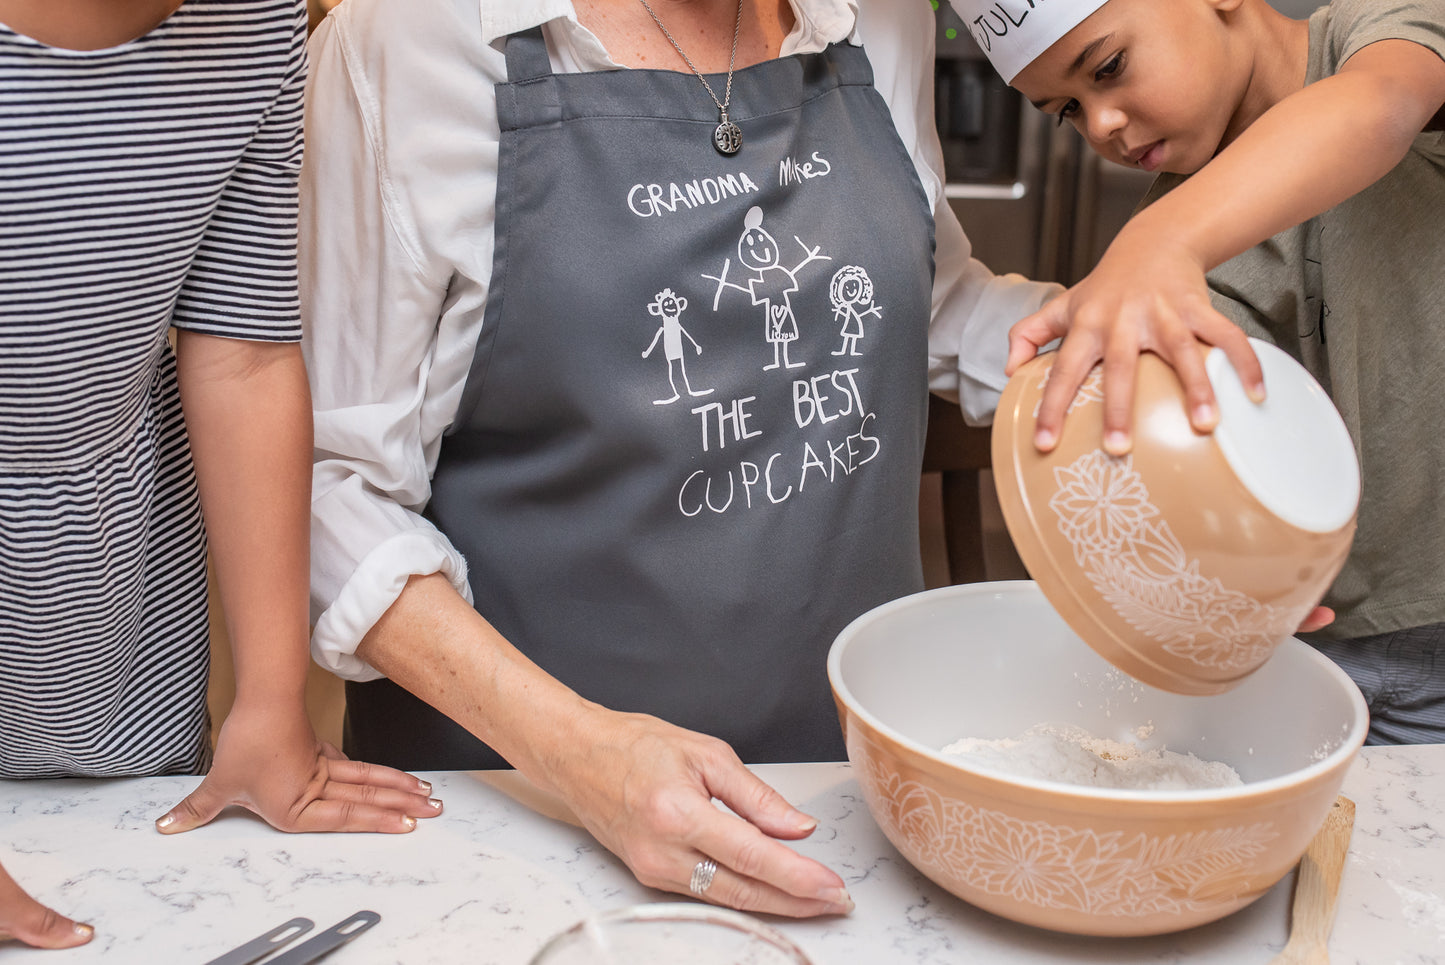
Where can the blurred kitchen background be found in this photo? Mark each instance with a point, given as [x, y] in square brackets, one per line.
[1034, 200]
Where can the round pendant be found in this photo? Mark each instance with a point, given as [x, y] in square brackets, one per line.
[727, 137]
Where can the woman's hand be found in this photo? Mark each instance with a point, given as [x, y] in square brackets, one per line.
[1146, 294]
[645, 788]
[271, 763]
[26, 920]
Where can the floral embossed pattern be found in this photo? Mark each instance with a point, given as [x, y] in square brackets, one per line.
[1054, 866]
[1137, 565]
[1092, 389]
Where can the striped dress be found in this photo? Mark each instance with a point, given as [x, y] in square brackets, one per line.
[141, 186]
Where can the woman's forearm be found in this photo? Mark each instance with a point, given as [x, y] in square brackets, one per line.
[435, 645]
[248, 415]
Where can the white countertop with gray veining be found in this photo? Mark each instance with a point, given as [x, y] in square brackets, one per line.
[490, 880]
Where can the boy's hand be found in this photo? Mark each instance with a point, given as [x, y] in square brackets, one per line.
[1317, 619]
[26, 920]
[271, 763]
[1146, 294]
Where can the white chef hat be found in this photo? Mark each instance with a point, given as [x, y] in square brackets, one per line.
[1013, 32]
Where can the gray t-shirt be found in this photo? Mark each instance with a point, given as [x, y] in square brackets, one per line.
[1357, 294]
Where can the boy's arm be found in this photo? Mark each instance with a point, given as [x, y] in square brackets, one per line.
[248, 416]
[1306, 154]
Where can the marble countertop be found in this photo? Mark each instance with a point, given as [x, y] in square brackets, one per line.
[492, 879]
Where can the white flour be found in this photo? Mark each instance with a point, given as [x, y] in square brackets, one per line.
[1071, 755]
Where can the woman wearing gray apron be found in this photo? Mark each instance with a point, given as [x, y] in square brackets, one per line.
[684, 452]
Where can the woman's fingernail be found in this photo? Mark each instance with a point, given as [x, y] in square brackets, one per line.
[84, 931]
[409, 821]
[1255, 392]
[1043, 440]
[1116, 443]
[436, 803]
[425, 787]
[1204, 414]
[166, 821]
[838, 899]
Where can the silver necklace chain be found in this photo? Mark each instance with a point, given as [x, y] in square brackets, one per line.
[726, 137]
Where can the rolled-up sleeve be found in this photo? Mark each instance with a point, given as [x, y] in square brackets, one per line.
[370, 306]
[973, 310]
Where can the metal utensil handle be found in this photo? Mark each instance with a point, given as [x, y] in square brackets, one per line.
[337, 935]
[263, 945]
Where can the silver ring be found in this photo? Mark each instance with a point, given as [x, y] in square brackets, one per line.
[702, 874]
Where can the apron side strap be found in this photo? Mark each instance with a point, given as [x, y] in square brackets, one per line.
[526, 54]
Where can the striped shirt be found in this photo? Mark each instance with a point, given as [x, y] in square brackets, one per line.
[143, 185]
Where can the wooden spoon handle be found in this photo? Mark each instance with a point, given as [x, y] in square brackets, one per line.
[1318, 884]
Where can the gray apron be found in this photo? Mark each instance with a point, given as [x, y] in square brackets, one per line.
[687, 452]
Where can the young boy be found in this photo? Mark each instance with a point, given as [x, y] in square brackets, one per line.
[1302, 165]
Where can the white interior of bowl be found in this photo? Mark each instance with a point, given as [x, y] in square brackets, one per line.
[990, 660]
[1292, 451]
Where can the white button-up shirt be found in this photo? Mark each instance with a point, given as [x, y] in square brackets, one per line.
[398, 210]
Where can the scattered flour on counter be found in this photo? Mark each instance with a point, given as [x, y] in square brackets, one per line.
[1071, 755]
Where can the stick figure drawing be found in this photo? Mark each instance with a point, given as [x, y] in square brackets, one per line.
[769, 286]
[849, 291]
[669, 307]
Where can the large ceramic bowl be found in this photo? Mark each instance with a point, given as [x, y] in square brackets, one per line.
[990, 660]
[1186, 562]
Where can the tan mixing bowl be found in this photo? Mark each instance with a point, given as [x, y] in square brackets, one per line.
[1186, 562]
[990, 660]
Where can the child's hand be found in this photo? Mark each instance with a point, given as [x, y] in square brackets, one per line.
[1146, 294]
[1317, 619]
[26, 920]
[272, 763]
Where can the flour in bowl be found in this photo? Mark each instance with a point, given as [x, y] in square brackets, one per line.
[1071, 755]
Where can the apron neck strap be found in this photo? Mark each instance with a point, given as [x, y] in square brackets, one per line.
[527, 56]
